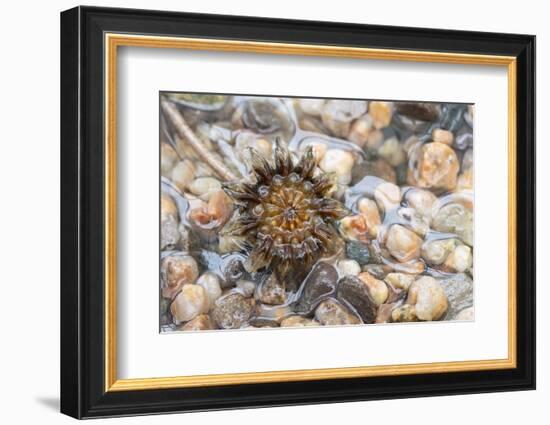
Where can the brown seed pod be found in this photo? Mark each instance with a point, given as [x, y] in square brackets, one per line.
[284, 214]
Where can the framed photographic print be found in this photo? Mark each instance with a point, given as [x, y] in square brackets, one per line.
[261, 212]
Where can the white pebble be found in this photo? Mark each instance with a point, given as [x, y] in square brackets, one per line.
[348, 267]
[339, 162]
[189, 303]
[211, 284]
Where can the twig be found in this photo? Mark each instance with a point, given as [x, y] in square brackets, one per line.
[184, 131]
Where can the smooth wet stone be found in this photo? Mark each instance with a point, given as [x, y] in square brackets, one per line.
[436, 167]
[176, 270]
[404, 313]
[355, 228]
[318, 285]
[455, 218]
[465, 315]
[339, 162]
[271, 291]
[331, 313]
[298, 322]
[385, 313]
[369, 210]
[189, 303]
[387, 196]
[183, 174]
[381, 113]
[421, 201]
[442, 136]
[211, 284]
[428, 298]
[413, 221]
[377, 288]
[204, 187]
[337, 115]
[400, 280]
[210, 216]
[355, 292]
[199, 323]
[459, 289]
[360, 130]
[392, 151]
[168, 158]
[435, 252]
[348, 267]
[358, 251]
[459, 260]
[403, 244]
[232, 311]
[169, 222]
[312, 106]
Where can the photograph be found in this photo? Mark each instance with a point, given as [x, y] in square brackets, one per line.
[281, 212]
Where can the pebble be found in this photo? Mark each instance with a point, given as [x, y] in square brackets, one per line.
[403, 244]
[377, 288]
[339, 162]
[378, 168]
[348, 267]
[422, 201]
[400, 280]
[374, 140]
[455, 218]
[466, 315]
[413, 221]
[436, 252]
[318, 285]
[436, 167]
[183, 174]
[355, 228]
[358, 251]
[381, 113]
[460, 260]
[246, 140]
[379, 271]
[169, 222]
[355, 292]
[214, 214]
[168, 158]
[298, 322]
[211, 284]
[392, 151]
[233, 271]
[312, 106]
[177, 270]
[387, 196]
[331, 313]
[246, 287]
[189, 303]
[459, 289]
[337, 115]
[468, 159]
[369, 210]
[199, 323]
[360, 130]
[442, 136]
[404, 313]
[272, 291]
[428, 298]
[232, 311]
[204, 187]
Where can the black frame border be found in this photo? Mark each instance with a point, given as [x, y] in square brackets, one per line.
[82, 206]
